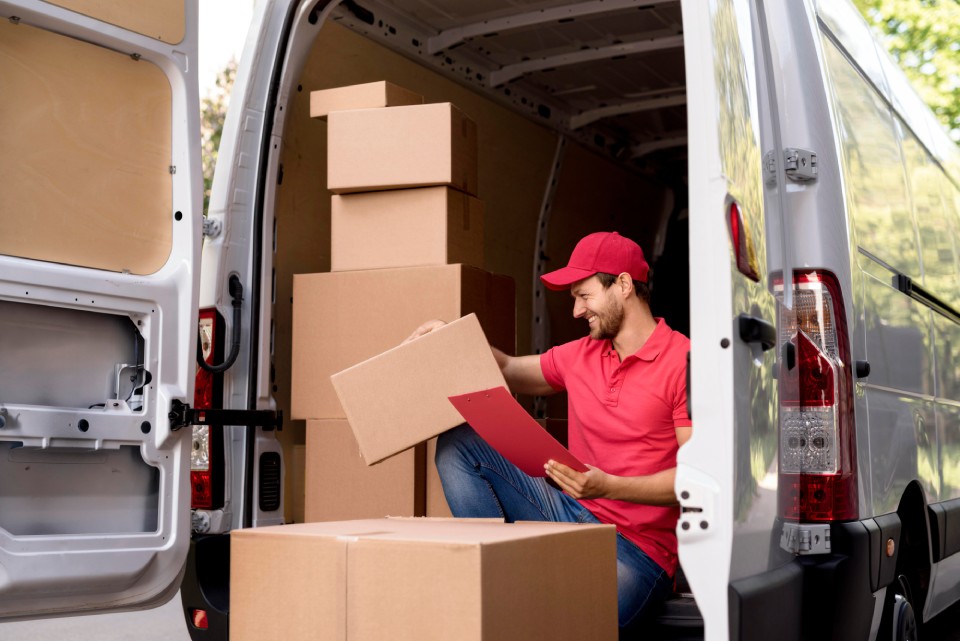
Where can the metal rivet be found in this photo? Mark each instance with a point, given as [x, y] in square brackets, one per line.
[684, 495]
[685, 525]
[725, 343]
[704, 525]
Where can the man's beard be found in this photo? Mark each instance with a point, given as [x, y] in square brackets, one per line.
[609, 321]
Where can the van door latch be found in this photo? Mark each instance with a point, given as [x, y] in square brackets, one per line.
[181, 415]
[800, 164]
[805, 538]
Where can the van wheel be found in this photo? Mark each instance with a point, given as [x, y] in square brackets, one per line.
[904, 621]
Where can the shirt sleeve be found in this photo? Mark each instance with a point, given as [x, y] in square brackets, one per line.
[681, 415]
[552, 369]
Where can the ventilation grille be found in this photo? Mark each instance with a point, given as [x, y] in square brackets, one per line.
[269, 482]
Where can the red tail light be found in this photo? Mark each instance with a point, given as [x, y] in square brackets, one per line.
[742, 243]
[818, 473]
[201, 480]
[199, 619]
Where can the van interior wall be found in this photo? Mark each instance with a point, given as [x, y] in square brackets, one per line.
[515, 158]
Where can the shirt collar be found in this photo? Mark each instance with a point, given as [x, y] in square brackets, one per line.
[649, 351]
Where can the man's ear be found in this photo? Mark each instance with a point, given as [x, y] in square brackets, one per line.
[625, 281]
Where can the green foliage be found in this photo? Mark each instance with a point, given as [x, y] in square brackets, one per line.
[213, 110]
[923, 36]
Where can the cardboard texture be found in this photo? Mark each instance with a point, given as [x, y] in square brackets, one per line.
[296, 492]
[340, 486]
[424, 580]
[369, 95]
[398, 399]
[436, 500]
[414, 146]
[405, 228]
[343, 318]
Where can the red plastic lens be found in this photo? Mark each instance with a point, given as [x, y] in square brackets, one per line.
[202, 489]
[200, 620]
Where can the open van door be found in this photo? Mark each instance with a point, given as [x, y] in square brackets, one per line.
[100, 231]
[731, 525]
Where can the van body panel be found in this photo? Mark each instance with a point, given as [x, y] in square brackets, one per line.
[93, 478]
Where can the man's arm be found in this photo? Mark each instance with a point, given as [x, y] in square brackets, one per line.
[654, 489]
[522, 373]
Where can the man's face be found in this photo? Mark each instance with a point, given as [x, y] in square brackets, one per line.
[600, 307]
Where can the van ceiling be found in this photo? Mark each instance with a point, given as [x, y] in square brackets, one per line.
[609, 73]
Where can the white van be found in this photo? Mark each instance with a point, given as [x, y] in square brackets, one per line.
[797, 201]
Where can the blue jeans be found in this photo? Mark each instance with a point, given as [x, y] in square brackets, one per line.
[479, 482]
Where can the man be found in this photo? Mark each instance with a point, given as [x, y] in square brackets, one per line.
[626, 386]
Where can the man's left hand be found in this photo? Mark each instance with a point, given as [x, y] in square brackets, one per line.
[592, 484]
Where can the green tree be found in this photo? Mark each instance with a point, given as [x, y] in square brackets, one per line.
[923, 36]
[213, 110]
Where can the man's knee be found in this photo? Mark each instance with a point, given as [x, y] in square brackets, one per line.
[450, 445]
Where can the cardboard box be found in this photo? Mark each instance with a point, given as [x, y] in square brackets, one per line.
[424, 580]
[405, 228]
[297, 483]
[340, 486]
[415, 146]
[343, 318]
[398, 399]
[436, 500]
[369, 95]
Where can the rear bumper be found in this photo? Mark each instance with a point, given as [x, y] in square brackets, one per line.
[825, 596]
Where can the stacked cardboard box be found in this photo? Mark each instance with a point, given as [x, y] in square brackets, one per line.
[407, 247]
[424, 579]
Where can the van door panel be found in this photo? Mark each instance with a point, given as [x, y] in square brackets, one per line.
[99, 234]
[87, 135]
[734, 402]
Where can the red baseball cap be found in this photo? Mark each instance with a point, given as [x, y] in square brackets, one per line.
[606, 252]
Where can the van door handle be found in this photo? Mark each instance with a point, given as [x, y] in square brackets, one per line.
[757, 330]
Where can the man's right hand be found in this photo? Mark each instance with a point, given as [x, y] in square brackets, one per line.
[426, 328]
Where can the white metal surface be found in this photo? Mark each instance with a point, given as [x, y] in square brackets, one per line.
[106, 565]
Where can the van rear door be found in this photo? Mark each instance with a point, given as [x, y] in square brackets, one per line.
[100, 231]
[727, 473]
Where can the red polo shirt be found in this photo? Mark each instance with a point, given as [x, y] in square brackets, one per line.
[622, 419]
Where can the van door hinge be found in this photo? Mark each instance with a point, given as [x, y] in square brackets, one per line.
[181, 415]
[212, 227]
[805, 538]
[800, 164]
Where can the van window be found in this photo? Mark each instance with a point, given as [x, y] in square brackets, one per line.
[877, 193]
[87, 154]
[934, 225]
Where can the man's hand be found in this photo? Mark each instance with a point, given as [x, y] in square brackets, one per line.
[592, 484]
[426, 328]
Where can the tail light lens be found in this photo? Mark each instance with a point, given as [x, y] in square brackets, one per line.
[201, 455]
[818, 475]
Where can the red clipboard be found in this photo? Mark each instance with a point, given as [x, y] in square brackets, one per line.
[496, 416]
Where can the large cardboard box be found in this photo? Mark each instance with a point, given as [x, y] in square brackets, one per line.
[369, 95]
[424, 580]
[343, 318]
[340, 486]
[405, 228]
[399, 399]
[436, 503]
[415, 146]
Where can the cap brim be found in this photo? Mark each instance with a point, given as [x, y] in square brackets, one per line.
[562, 278]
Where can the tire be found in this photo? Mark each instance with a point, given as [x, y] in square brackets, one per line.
[904, 620]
